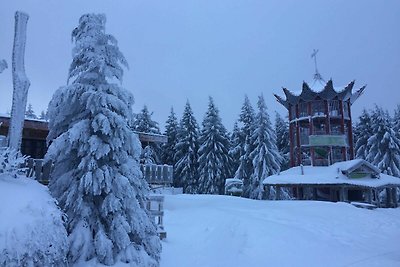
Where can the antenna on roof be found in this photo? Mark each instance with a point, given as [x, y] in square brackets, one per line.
[317, 75]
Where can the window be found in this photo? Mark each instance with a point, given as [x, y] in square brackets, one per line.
[303, 109]
[318, 108]
[334, 108]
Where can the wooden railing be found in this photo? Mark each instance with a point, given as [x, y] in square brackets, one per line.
[154, 174]
[157, 174]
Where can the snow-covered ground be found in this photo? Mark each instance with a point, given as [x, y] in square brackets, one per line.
[206, 231]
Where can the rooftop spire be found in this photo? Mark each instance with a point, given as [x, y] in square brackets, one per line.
[317, 75]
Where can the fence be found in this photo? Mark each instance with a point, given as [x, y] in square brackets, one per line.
[154, 174]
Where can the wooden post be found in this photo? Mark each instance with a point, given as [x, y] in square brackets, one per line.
[350, 134]
[315, 193]
[341, 194]
[368, 196]
[388, 197]
[378, 201]
[394, 197]
[277, 192]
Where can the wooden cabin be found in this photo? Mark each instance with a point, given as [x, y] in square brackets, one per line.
[348, 181]
[35, 133]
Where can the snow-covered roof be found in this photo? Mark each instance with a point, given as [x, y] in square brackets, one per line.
[335, 174]
[322, 91]
[229, 181]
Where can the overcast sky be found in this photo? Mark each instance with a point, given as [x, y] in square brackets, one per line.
[184, 49]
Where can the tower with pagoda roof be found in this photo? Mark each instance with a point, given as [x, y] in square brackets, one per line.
[320, 124]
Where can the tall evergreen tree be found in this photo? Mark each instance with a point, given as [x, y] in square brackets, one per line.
[384, 144]
[186, 152]
[43, 115]
[396, 121]
[143, 123]
[30, 113]
[235, 147]
[96, 177]
[171, 131]
[362, 132]
[282, 140]
[214, 160]
[246, 121]
[265, 156]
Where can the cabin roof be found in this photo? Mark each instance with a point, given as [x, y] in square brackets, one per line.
[338, 173]
[42, 126]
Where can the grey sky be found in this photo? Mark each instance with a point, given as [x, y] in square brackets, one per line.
[184, 49]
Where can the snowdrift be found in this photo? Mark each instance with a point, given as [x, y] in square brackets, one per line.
[31, 227]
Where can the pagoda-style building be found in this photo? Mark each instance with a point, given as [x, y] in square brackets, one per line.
[320, 123]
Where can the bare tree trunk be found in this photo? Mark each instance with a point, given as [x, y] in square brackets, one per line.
[20, 81]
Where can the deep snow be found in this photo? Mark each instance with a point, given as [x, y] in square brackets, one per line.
[209, 230]
[204, 230]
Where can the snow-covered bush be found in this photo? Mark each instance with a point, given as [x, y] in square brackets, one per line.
[11, 162]
[96, 176]
[31, 227]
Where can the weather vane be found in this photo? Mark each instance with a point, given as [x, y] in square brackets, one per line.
[317, 75]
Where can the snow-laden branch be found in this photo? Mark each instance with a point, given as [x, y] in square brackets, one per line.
[3, 65]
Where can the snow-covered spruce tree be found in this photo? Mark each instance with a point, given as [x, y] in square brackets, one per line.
[384, 144]
[171, 131]
[265, 156]
[30, 113]
[235, 148]
[186, 152]
[362, 132]
[96, 177]
[282, 140]
[43, 115]
[246, 124]
[396, 121]
[143, 123]
[214, 160]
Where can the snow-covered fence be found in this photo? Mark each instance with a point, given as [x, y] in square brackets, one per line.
[154, 174]
[157, 174]
[155, 206]
[38, 170]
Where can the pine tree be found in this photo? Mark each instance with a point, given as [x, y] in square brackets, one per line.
[186, 155]
[43, 115]
[384, 144]
[235, 147]
[282, 140]
[214, 160]
[96, 177]
[143, 123]
[246, 120]
[29, 113]
[396, 121]
[362, 132]
[265, 156]
[171, 131]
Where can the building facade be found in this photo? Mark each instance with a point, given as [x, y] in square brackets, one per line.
[320, 123]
